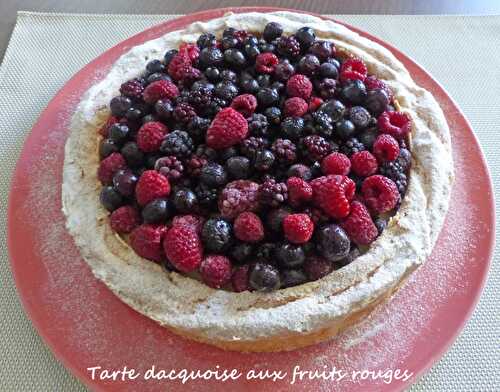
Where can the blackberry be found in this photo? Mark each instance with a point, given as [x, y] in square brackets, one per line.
[194, 165]
[292, 127]
[395, 172]
[238, 167]
[264, 160]
[404, 158]
[213, 175]
[216, 105]
[272, 31]
[206, 40]
[351, 146]
[229, 76]
[183, 113]
[206, 152]
[288, 46]
[273, 115]
[226, 90]
[178, 144]
[321, 123]
[257, 125]
[197, 128]
[272, 193]
[251, 145]
[285, 151]
[201, 98]
[133, 88]
[327, 88]
[207, 196]
[170, 167]
[217, 235]
[314, 148]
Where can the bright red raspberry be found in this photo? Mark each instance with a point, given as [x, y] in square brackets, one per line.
[248, 227]
[183, 248]
[237, 197]
[103, 131]
[332, 194]
[151, 185]
[359, 225]
[295, 107]
[191, 49]
[380, 193]
[299, 191]
[386, 148]
[245, 104]
[336, 163]
[372, 83]
[239, 279]
[363, 163]
[227, 129]
[179, 64]
[317, 267]
[146, 241]
[299, 86]
[397, 124]
[109, 166]
[193, 221]
[124, 219]
[266, 62]
[151, 135]
[298, 228]
[353, 69]
[160, 89]
[314, 104]
[215, 271]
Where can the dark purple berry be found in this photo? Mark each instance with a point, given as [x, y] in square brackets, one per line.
[305, 36]
[238, 167]
[119, 106]
[344, 129]
[110, 198]
[291, 278]
[185, 200]
[332, 242]
[272, 31]
[376, 101]
[157, 211]
[107, 147]
[264, 277]
[132, 154]
[217, 235]
[124, 182]
[264, 160]
[354, 91]
[213, 175]
[290, 256]
[308, 65]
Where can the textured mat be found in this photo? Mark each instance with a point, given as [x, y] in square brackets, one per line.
[47, 49]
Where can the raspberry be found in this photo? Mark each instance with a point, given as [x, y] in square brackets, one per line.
[237, 197]
[239, 279]
[314, 104]
[151, 185]
[103, 131]
[353, 69]
[386, 148]
[332, 194]
[396, 124]
[227, 129]
[192, 50]
[298, 228]
[315, 147]
[272, 193]
[146, 240]
[109, 166]
[299, 191]
[288, 46]
[124, 219]
[266, 62]
[359, 225]
[184, 113]
[317, 267]
[170, 167]
[160, 89]
[248, 227]
[317, 215]
[336, 163]
[151, 135]
[299, 86]
[380, 193]
[194, 222]
[295, 107]
[245, 104]
[215, 271]
[133, 89]
[179, 64]
[363, 163]
[183, 248]
[284, 151]
[372, 83]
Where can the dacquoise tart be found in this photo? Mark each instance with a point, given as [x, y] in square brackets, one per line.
[257, 182]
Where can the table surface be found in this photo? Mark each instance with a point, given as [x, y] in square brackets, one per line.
[9, 8]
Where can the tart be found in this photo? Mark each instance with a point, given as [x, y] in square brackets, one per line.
[258, 182]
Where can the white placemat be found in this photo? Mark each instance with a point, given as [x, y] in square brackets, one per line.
[47, 49]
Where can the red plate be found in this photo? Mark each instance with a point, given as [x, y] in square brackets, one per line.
[85, 325]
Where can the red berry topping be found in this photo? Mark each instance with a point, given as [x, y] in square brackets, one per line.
[266, 62]
[227, 129]
[299, 191]
[397, 124]
[183, 248]
[298, 228]
[295, 107]
[353, 69]
[239, 279]
[386, 148]
[215, 271]
[179, 65]
[248, 227]
[191, 49]
[125, 219]
[237, 197]
[316, 267]
[380, 193]
[336, 163]
[194, 222]
[146, 240]
[372, 83]
[151, 135]
[109, 166]
[245, 104]
[333, 193]
[103, 131]
[359, 225]
[160, 89]
[133, 89]
[151, 185]
[363, 163]
[299, 86]
[314, 104]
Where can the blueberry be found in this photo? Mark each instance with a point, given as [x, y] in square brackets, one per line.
[264, 160]
[264, 80]
[210, 57]
[367, 137]
[169, 55]
[267, 97]
[266, 47]
[229, 42]
[110, 198]
[359, 116]
[283, 71]
[250, 86]
[301, 171]
[274, 218]
[157, 211]
[155, 66]
[251, 40]
[316, 170]
[290, 256]
[272, 31]
[273, 115]
[334, 61]
[353, 254]
[185, 200]
[305, 36]
[213, 175]
[119, 106]
[344, 129]
[206, 40]
[380, 224]
[216, 235]
[134, 114]
[292, 127]
[124, 182]
[226, 90]
[118, 133]
[235, 58]
[308, 65]
[376, 101]
[229, 32]
[238, 167]
[241, 252]
[149, 118]
[322, 49]
[213, 74]
[265, 253]
[251, 51]
[264, 277]
[107, 147]
[332, 242]
[328, 70]
[132, 154]
[290, 278]
[164, 109]
[154, 77]
[354, 91]
[333, 108]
